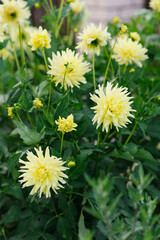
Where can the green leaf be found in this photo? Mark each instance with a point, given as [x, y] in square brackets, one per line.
[144, 155]
[41, 90]
[29, 136]
[64, 228]
[123, 155]
[13, 161]
[62, 105]
[83, 232]
[13, 214]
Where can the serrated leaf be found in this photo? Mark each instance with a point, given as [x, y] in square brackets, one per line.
[13, 161]
[83, 232]
[144, 155]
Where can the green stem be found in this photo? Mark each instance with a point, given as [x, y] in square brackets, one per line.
[45, 60]
[106, 52]
[21, 46]
[57, 215]
[124, 69]
[51, 4]
[3, 233]
[106, 136]
[61, 144]
[19, 117]
[29, 118]
[2, 88]
[105, 77]
[135, 125]
[58, 18]
[99, 137]
[49, 99]
[111, 165]
[94, 79]
[64, 80]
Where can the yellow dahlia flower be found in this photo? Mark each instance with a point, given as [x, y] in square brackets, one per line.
[135, 36]
[92, 38]
[37, 103]
[10, 112]
[113, 107]
[42, 172]
[155, 4]
[68, 68]
[14, 11]
[127, 52]
[66, 125]
[39, 39]
[77, 6]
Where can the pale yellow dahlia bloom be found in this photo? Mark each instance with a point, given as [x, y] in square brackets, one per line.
[66, 125]
[37, 103]
[39, 39]
[77, 6]
[113, 107]
[135, 36]
[26, 32]
[14, 11]
[127, 52]
[43, 172]
[68, 68]
[2, 29]
[92, 38]
[155, 4]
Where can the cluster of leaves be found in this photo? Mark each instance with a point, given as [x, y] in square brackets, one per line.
[113, 191]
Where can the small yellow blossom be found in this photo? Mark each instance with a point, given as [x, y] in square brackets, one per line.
[66, 125]
[37, 103]
[92, 38]
[158, 97]
[68, 68]
[132, 70]
[155, 5]
[37, 5]
[14, 11]
[123, 29]
[113, 107]
[127, 52]
[71, 164]
[77, 6]
[116, 20]
[42, 172]
[10, 112]
[39, 39]
[135, 36]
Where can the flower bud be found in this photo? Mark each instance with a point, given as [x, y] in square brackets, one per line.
[37, 5]
[132, 70]
[116, 20]
[123, 29]
[37, 103]
[71, 164]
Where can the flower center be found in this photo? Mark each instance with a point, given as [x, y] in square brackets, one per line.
[11, 13]
[95, 42]
[41, 173]
[68, 67]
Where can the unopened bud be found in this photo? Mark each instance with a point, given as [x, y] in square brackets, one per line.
[71, 164]
[123, 29]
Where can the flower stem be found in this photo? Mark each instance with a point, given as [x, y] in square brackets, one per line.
[29, 118]
[61, 144]
[58, 18]
[109, 61]
[94, 79]
[99, 137]
[45, 60]
[21, 46]
[19, 117]
[129, 137]
[49, 99]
